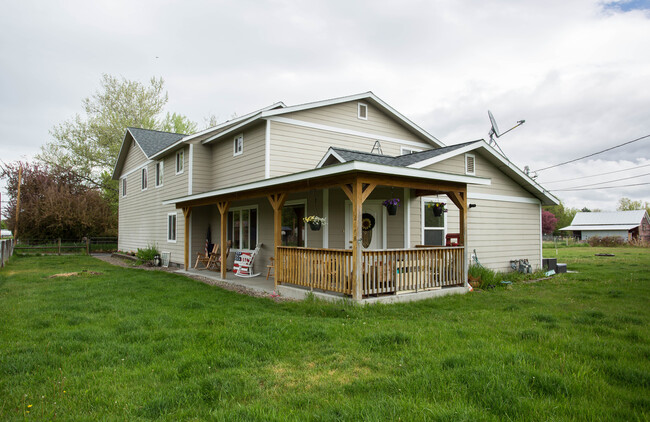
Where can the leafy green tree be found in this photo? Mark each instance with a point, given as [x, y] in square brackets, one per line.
[563, 215]
[88, 144]
[626, 204]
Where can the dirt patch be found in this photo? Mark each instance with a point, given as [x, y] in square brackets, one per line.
[226, 286]
[74, 274]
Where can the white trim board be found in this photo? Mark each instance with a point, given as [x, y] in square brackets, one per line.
[344, 131]
[502, 198]
[267, 150]
[334, 170]
[140, 167]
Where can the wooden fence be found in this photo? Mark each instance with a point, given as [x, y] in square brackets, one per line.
[6, 250]
[384, 271]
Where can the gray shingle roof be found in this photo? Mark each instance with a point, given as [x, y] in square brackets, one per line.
[154, 141]
[400, 161]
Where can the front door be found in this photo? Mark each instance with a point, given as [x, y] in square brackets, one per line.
[372, 238]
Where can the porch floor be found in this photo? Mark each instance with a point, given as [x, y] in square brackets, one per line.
[259, 283]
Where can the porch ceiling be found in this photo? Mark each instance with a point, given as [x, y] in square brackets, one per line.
[333, 176]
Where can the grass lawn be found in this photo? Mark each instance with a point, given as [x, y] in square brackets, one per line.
[131, 344]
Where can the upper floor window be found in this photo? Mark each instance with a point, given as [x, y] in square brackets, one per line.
[160, 166]
[144, 178]
[470, 164]
[180, 157]
[124, 187]
[362, 111]
[238, 144]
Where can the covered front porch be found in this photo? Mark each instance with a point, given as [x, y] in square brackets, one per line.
[353, 272]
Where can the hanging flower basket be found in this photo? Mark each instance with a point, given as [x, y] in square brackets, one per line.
[315, 222]
[391, 205]
[438, 208]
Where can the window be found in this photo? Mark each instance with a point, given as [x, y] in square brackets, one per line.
[470, 164]
[171, 227]
[160, 166]
[362, 111]
[407, 151]
[433, 227]
[144, 178]
[293, 225]
[242, 228]
[238, 145]
[180, 156]
[124, 187]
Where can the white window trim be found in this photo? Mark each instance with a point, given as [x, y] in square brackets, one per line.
[144, 179]
[181, 152]
[241, 227]
[473, 156]
[175, 214]
[162, 173]
[234, 145]
[359, 107]
[423, 201]
[401, 150]
[123, 187]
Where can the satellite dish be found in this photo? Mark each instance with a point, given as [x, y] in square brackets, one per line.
[495, 128]
[494, 131]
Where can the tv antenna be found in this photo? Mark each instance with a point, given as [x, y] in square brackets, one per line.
[494, 131]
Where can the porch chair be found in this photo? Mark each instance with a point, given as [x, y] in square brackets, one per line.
[244, 267]
[204, 258]
[215, 260]
[271, 267]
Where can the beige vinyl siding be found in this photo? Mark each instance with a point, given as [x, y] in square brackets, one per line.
[336, 219]
[202, 172]
[134, 159]
[296, 148]
[501, 184]
[345, 116]
[229, 170]
[142, 218]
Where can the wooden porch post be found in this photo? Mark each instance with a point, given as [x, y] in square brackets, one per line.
[187, 211]
[277, 202]
[357, 193]
[459, 198]
[224, 206]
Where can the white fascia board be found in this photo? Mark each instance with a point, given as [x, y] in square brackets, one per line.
[231, 130]
[119, 155]
[363, 96]
[330, 153]
[503, 198]
[338, 169]
[235, 120]
[504, 161]
[168, 149]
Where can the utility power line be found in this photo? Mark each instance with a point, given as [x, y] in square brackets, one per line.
[606, 187]
[595, 153]
[609, 181]
[596, 175]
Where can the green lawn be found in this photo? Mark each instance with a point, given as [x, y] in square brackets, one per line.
[136, 345]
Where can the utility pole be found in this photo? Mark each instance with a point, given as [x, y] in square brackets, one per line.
[20, 176]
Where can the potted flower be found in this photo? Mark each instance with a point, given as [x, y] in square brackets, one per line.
[391, 205]
[315, 222]
[438, 208]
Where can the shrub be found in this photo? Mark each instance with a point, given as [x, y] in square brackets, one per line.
[147, 253]
[607, 241]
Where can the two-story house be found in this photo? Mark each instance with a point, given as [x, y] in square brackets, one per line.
[253, 179]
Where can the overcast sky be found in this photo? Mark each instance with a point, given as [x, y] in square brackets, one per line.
[578, 71]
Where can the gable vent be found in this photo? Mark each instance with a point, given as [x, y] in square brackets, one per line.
[470, 164]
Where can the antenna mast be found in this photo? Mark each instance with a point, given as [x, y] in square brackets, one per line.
[494, 131]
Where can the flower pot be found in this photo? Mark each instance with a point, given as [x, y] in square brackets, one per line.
[437, 211]
[314, 225]
[392, 209]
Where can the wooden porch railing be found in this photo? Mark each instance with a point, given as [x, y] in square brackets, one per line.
[384, 271]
